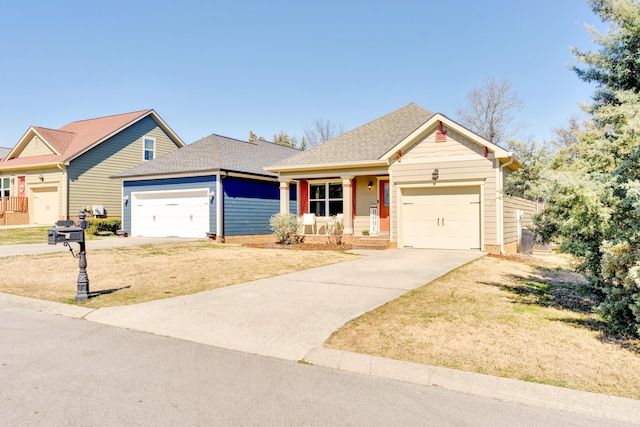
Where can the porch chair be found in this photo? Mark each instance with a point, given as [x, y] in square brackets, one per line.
[309, 219]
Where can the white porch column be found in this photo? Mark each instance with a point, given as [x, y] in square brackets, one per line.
[347, 204]
[284, 196]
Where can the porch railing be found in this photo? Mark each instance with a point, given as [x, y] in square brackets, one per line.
[14, 204]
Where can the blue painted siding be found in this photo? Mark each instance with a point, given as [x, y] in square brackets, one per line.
[248, 205]
[168, 184]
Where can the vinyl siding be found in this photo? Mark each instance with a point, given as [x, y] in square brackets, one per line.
[35, 147]
[511, 205]
[364, 199]
[450, 173]
[51, 177]
[456, 145]
[169, 184]
[248, 205]
[89, 182]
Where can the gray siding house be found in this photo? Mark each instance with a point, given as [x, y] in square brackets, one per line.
[60, 171]
[216, 185]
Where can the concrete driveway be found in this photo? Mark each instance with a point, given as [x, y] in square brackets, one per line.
[286, 316]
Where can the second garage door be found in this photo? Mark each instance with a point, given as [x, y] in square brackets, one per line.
[441, 218]
[170, 213]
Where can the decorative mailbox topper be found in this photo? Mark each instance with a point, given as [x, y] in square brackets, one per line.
[65, 232]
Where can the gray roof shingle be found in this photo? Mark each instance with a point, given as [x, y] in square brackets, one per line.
[367, 142]
[213, 153]
[4, 151]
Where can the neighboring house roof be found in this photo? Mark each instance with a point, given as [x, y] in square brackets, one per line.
[4, 151]
[215, 153]
[378, 141]
[77, 137]
[367, 142]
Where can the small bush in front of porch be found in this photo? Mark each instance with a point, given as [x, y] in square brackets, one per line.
[285, 227]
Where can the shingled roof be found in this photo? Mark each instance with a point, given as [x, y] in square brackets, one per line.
[215, 153]
[4, 151]
[367, 142]
[77, 137]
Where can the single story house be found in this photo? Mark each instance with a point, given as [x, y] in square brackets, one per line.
[216, 185]
[414, 177]
[58, 172]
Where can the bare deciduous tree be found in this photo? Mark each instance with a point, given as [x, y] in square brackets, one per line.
[491, 110]
[321, 131]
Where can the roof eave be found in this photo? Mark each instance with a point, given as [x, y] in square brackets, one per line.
[151, 113]
[500, 153]
[326, 166]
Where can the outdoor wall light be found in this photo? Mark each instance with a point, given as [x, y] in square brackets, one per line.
[40, 177]
[212, 195]
[434, 174]
[125, 199]
[370, 186]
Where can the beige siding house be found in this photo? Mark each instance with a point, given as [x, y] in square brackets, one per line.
[416, 178]
[61, 171]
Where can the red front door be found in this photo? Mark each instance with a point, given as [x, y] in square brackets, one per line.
[384, 204]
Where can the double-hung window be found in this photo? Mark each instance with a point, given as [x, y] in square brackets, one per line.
[5, 187]
[325, 199]
[149, 148]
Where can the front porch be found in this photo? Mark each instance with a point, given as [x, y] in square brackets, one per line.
[14, 210]
[351, 242]
[353, 205]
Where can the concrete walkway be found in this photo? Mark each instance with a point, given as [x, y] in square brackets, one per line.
[286, 316]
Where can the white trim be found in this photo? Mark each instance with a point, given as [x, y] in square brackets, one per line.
[144, 148]
[137, 195]
[453, 184]
[219, 206]
[431, 124]
[327, 166]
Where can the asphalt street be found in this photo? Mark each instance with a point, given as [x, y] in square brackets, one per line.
[59, 371]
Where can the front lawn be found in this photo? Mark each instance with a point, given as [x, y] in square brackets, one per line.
[501, 317]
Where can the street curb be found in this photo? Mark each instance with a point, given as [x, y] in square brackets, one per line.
[505, 389]
[60, 309]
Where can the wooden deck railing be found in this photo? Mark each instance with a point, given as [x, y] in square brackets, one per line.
[14, 204]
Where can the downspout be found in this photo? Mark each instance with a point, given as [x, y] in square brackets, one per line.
[220, 206]
[65, 190]
[501, 202]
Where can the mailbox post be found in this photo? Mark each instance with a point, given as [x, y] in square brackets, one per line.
[67, 234]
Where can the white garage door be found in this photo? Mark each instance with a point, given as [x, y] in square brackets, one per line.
[170, 213]
[45, 205]
[441, 218]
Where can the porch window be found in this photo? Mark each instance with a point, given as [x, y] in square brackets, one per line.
[325, 199]
[149, 149]
[5, 187]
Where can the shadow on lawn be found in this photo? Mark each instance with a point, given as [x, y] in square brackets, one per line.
[106, 291]
[564, 290]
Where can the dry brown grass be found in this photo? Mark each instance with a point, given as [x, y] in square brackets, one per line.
[504, 318]
[144, 273]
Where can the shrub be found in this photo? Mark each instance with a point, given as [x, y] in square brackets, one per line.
[621, 279]
[285, 227]
[104, 226]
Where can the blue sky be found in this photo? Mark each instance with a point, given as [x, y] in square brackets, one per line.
[230, 67]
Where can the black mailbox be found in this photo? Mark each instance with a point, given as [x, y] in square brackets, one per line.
[66, 232]
[65, 235]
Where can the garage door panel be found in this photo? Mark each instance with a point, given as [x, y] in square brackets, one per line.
[45, 205]
[444, 218]
[181, 214]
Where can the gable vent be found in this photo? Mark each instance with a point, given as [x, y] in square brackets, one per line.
[441, 134]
